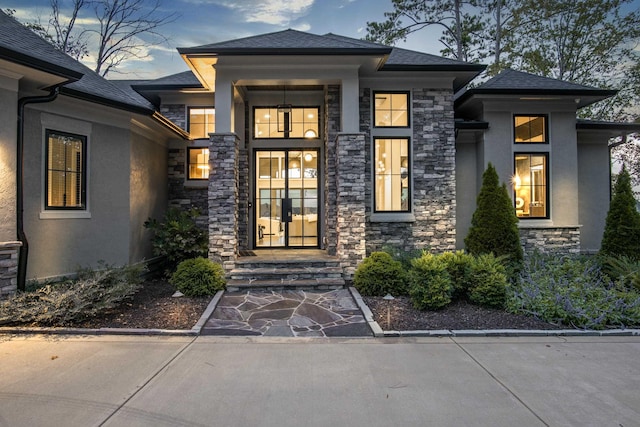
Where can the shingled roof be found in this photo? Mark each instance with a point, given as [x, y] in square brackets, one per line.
[20, 45]
[511, 82]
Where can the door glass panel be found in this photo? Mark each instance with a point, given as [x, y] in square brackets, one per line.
[292, 175]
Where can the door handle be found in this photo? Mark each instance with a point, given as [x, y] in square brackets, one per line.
[287, 214]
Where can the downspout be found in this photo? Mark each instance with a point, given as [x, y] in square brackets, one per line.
[22, 237]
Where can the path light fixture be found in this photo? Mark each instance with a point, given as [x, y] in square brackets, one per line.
[388, 298]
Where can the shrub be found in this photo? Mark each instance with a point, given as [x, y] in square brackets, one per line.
[572, 290]
[431, 286]
[198, 277]
[494, 224]
[458, 265]
[622, 269]
[488, 282]
[178, 237]
[399, 254]
[91, 294]
[622, 227]
[379, 274]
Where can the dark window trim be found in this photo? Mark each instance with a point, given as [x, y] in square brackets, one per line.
[409, 176]
[189, 107]
[392, 92]
[253, 122]
[546, 128]
[83, 175]
[547, 186]
[188, 164]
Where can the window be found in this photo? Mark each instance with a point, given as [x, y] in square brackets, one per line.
[65, 171]
[202, 122]
[294, 122]
[391, 109]
[198, 163]
[530, 129]
[392, 175]
[530, 185]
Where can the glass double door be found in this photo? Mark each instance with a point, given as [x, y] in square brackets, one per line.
[286, 198]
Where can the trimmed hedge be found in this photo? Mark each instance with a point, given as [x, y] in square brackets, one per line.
[379, 274]
[198, 277]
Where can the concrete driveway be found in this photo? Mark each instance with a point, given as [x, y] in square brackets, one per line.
[216, 381]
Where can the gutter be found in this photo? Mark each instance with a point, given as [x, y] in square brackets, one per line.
[22, 237]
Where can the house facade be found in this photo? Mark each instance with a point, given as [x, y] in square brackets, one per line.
[289, 141]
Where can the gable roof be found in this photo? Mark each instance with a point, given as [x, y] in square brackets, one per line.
[290, 42]
[512, 82]
[20, 45]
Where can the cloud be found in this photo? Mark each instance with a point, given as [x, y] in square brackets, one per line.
[275, 12]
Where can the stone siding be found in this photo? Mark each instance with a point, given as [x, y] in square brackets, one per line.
[182, 196]
[561, 240]
[177, 113]
[331, 129]
[433, 176]
[9, 252]
[223, 198]
[350, 181]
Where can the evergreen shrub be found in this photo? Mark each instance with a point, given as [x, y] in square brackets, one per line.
[379, 274]
[198, 277]
[431, 286]
[488, 284]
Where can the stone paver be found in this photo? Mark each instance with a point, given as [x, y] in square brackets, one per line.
[288, 314]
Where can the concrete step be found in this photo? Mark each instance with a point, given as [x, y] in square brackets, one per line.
[235, 285]
[286, 273]
[248, 263]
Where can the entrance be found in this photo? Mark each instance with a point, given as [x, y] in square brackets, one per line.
[286, 202]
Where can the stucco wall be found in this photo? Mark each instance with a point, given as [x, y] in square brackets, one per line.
[593, 189]
[59, 246]
[8, 135]
[466, 185]
[148, 183]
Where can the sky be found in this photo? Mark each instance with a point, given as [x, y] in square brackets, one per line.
[210, 21]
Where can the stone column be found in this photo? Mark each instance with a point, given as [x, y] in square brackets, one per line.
[350, 180]
[223, 198]
[9, 252]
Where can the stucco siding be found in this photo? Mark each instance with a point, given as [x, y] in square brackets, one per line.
[148, 183]
[466, 188]
[593, 189]
[8, 135]
[59, 246]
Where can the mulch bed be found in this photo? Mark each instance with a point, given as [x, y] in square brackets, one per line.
[459, 315]
[152, 307]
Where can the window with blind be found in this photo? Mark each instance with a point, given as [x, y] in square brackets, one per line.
[65, 175]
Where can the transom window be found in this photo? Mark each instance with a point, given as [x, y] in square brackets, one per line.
[198, 163]
[530, 129]
[290, 122]
[202, 122]
[392, 175]
[531, 195]
[65, 175]
[391, 109]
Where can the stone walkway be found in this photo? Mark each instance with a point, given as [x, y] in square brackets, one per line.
[288, 314]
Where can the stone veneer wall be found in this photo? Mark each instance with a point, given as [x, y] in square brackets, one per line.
[244, 228]
[177, 113]
[182, 196]
[9, 252]
[561, 240]
[331, 129]
[223, 198]
[433, 180]
[350, 182]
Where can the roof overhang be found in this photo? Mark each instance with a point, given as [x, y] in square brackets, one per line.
[582, 98]
[613, 129]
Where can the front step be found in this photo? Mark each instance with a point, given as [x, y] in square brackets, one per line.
[289, 274]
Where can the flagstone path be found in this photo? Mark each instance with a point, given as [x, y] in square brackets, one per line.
[288, 313]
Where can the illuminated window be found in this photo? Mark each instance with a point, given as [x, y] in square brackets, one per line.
[391, 109]
[530, 129]
[294, 122]
[65, 171]
[392, 175]
[202, 122]
[530, 186]
[198, 163]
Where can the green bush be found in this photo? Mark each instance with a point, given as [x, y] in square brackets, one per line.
[405, 257]
[488, 284]
[379, 274]
[198, 277]
[431, 286]
[623, 270]
[494, 224]
[573, 291]
[622, 227]
[458, 264]
[178, 237]
[91, 294]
